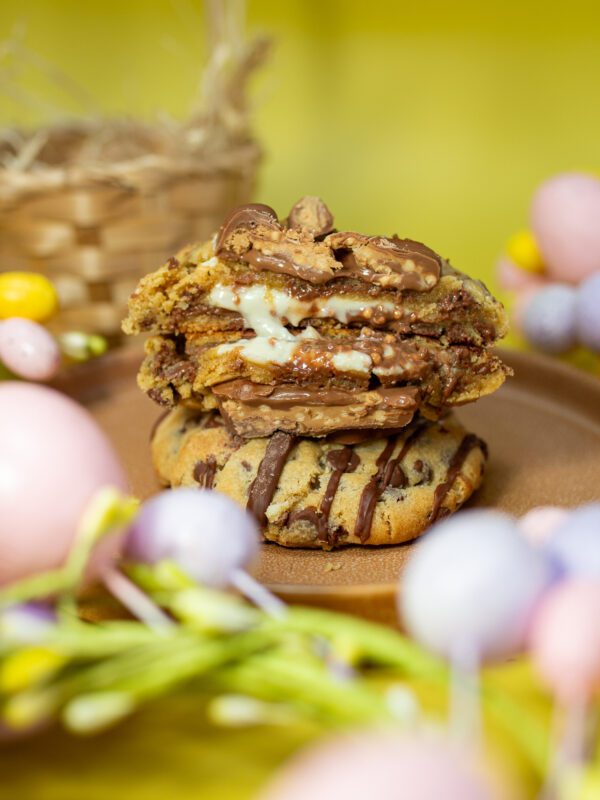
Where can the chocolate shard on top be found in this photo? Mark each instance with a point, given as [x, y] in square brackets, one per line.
[311, 214]
[253, 234]
[305, 246]
[395, 262]
[241, 226]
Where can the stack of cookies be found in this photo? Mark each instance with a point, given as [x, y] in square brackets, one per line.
[311, 373]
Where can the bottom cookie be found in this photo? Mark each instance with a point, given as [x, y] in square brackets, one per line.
[324, 494]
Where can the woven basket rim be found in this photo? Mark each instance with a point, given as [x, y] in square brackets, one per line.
[220, 154]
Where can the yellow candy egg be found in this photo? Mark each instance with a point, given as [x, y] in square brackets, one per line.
[27, 294]
[523, 250]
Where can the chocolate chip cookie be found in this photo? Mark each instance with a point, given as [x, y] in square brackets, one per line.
[356, 488]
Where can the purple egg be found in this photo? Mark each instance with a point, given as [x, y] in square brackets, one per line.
[205, 533]
[588, 312]
[575, 544]
[28, 350]
[549, 319]
[565, 217]
[472, 585]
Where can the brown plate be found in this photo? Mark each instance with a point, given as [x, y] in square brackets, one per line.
[542, 428]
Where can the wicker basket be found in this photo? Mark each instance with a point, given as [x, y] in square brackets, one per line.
[95, 205]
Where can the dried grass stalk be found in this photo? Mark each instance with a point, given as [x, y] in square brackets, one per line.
[95, 204]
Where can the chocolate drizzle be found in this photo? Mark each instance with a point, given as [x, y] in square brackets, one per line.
[470, 442]
[389, 473]
[341, 460]
[156, 424]
[205, 471]
[270, 468]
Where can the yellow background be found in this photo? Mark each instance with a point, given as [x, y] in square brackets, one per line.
[433, 119]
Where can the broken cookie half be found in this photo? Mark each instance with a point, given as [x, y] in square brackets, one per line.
[291, 325]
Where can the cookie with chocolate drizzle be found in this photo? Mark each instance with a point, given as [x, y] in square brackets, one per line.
[327, 493]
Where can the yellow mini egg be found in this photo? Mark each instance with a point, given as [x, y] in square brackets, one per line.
[27, 294]
[523, 250]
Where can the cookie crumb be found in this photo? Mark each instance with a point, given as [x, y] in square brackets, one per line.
[330, 567]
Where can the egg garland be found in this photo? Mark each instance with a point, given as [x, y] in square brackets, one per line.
[554, 269]
[207, 535]
[482, 611]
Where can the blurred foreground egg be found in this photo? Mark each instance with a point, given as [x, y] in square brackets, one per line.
[204, 532]
[565, 640]
[565, 216]
[382, 765]
[471, 586]
[53, 459]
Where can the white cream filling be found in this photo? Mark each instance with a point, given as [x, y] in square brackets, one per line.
[264, 309]
[267, 350]
[262, 350]
[254, 306]
[351, 361]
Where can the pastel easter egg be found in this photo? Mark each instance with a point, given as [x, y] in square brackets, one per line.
[27, 294]
[54, 459]
[565, 640]
[382, 765]
[204, 532]
[549, 319]
[520, 304]
[28, 350]
[522, 248]
[455, 596]
[513, 278]
[540, 523]
[565, 215]
[574, 545]
[587, 312]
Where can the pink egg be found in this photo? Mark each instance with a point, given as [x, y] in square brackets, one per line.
[28, 350]
[382, 765]
[540, 523]
[519, 307]
[512, 278]
[565, 640]
[565, 217]
[53, 459]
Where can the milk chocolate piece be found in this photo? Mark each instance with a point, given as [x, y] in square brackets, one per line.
[401, 263]
[311, 214]
[285, 396]
[241, 224]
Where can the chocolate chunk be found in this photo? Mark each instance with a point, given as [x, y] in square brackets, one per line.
[401, 263]
[235, 235]
[311, 214]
